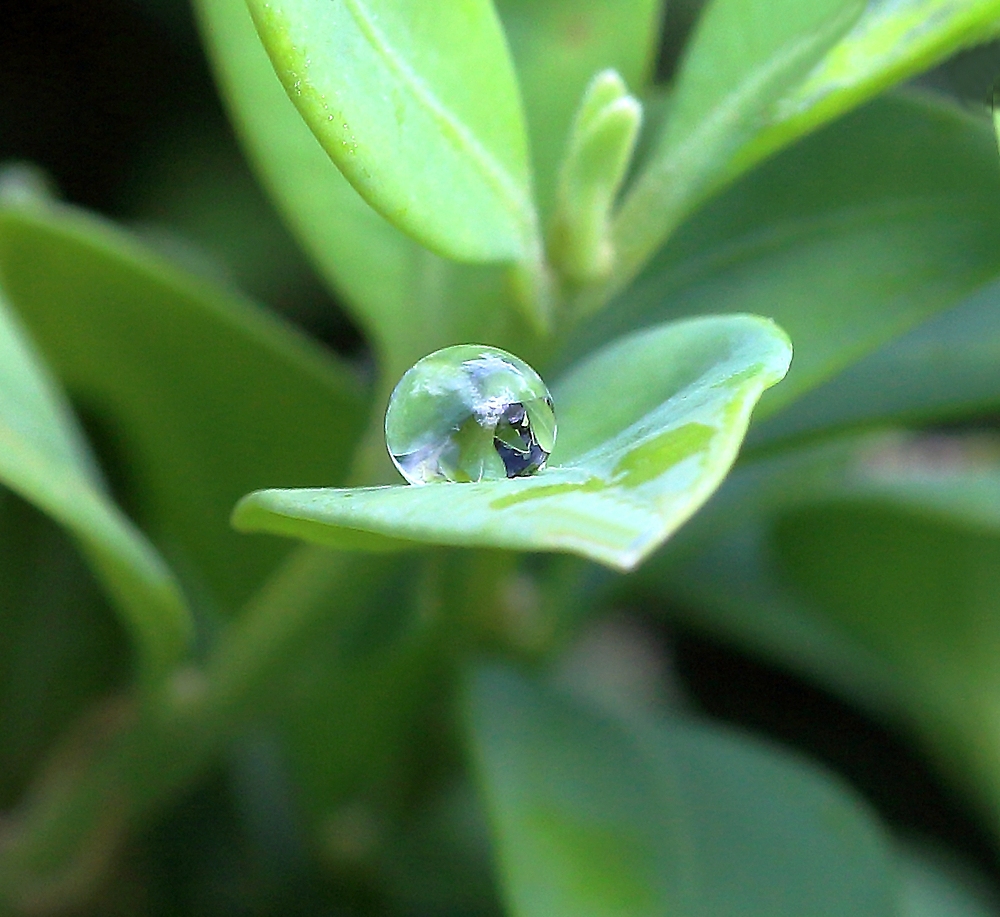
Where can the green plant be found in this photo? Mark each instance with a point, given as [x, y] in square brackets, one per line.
[481, 177]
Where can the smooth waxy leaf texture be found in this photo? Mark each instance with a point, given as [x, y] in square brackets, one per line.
[848, 240]
[408, 300]
[44, 458]
[648, 427]
[198, 393]
[597, 158]
[593, 817]
[558, 46]
[419, 108]
[946, 369]
[741, 59]
[891, 42]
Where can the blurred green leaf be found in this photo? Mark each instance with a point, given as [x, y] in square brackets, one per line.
[938, 884]
[871, 565]
[946, 369]
[558, 46]
[649, 426]
[410, 301]
[418, 106]
[594, 816]
[892, 41]
[741, 59]
[62, 647]
[598, 155]
[200, 395]
[925, 598]
[44, 458]
[848, 239]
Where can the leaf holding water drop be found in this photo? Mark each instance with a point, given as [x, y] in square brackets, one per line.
[648, 428]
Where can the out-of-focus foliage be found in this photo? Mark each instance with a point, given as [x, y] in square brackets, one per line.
[246, 670]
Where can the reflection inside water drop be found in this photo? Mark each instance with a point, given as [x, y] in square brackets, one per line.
[469, 413]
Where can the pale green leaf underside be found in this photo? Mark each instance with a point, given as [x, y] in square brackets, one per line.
[44, 459]
[648, 427]
[418, 106]
[594, 817]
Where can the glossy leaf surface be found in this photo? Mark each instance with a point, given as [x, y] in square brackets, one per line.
[558, 46]
[44, 458]
[199, 394]
[740, 60]
[847, 240]
[594, 816]
[418, 106]
[891, 42]
[648, 427]
[407, 299]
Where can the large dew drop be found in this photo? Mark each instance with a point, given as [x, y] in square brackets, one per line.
[469, 413]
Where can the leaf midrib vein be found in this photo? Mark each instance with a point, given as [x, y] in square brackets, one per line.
[461, 137]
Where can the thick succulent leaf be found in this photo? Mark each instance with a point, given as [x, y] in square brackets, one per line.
[408, 300]
[199, 395]
[44, 458]
[946, 369]
[892, 41]
[558, 45]
[648, 427]
[593, 816]
[848, 240]
[741, 59]
[419, 108]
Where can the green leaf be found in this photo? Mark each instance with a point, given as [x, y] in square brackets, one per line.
[55, 620]
[558, 46]
[648, 427]
[418, 106]
[593, 816]
[946, 369]
[849, 239]
[597, 158]
[408, 300]
[925, 598]
[891, 42]
[44, 458]
[870, 566]
[741, 59]
[936, 883]
[200, 395]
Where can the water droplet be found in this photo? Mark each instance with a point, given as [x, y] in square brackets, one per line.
[469, 413]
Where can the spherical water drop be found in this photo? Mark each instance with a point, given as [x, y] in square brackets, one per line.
[469, 413]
